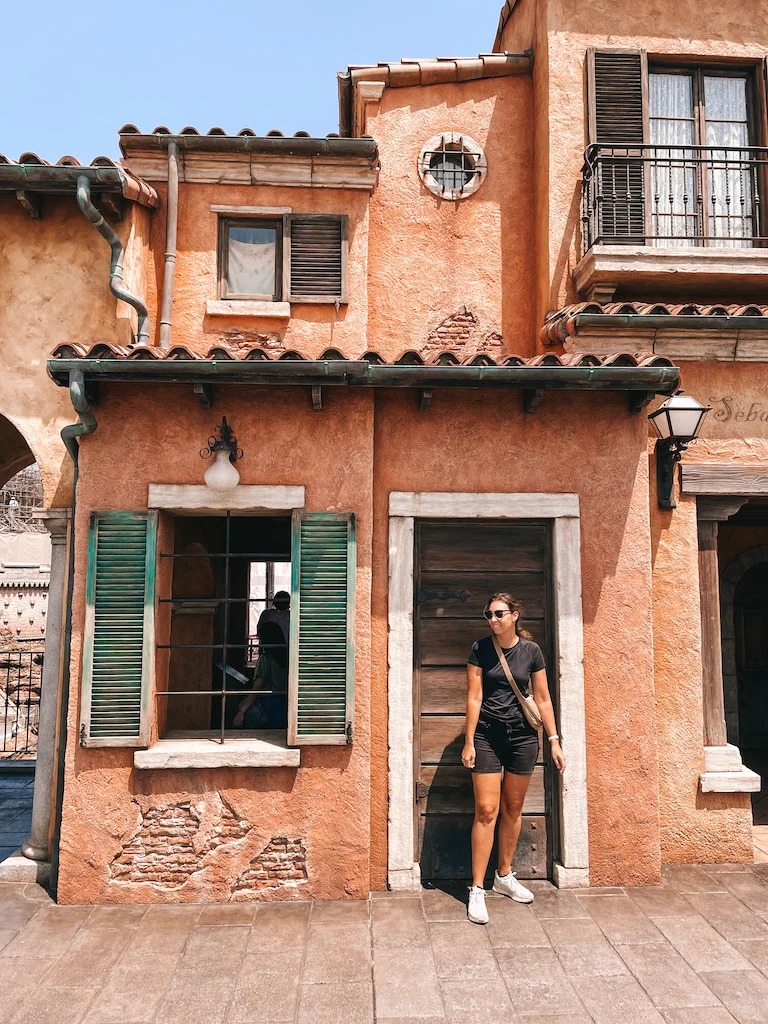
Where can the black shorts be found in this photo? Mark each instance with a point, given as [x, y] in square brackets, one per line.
[512, 745]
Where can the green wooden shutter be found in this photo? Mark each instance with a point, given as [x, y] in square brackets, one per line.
[618, 117]
[322, 655]
[119, 629]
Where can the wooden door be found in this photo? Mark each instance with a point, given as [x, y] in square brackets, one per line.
[458, 564]
[751, 608]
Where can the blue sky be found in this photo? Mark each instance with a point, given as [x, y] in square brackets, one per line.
[75, 73]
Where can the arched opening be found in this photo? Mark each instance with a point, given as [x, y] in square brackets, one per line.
[25, 565]
[15, 453]
[750, 608]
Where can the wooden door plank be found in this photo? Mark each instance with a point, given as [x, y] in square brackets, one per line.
[474, 590]
[449, 641]
[482, 547]
[442, 739]
[445, 853]
[450, 791]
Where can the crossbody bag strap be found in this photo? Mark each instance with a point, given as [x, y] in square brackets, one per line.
[507, 673]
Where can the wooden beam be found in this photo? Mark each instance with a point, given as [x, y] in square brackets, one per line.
[531, 398]
[724, 478]
[317, 397]
[715, 734]
[31, 202]
[425, 397]
[204, 394]
[639, 400]
[113, 204]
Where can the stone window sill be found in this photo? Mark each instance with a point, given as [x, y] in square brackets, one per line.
[267, 749]
[248, 307]
[745, 781]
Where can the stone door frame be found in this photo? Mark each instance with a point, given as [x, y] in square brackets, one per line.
[571, 863]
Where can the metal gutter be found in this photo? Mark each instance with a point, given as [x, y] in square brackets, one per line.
[70, 435]
[269, 145]
[116, 264]
[610, 321]
[44, 178]
[663, 380]
[171, 224]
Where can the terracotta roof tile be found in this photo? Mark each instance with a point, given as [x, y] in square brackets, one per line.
[223, 351]
[562, 325]
[439, 70]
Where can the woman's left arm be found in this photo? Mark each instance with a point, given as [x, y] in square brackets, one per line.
[547, 712]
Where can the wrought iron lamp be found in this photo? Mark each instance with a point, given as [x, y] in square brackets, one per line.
[677, 422]
[222, 475]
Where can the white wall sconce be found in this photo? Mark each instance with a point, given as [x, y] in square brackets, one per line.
[222, 475]
[678, 422]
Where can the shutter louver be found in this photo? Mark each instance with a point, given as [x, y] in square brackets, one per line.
[316, 258]
[119, 629]
[322, 670]
[617, 124]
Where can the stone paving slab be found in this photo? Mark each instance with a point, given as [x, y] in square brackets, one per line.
[693, 950]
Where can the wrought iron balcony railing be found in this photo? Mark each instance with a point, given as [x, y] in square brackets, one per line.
[673, 195]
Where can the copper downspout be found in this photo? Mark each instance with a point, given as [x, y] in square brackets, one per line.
[171, 223]
[116, 284]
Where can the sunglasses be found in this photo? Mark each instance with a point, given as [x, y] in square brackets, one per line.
[499, 613]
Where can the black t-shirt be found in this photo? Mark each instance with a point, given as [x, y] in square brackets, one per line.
[499, 700]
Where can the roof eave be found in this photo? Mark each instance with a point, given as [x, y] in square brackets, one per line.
[660, 380]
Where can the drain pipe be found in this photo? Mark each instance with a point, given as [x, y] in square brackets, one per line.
[171, 223]
[116, 266]
[70, 436]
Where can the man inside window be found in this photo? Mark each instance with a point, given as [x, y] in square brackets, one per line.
[279, 613]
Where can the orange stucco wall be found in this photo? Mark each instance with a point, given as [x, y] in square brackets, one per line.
[429, 258]
[311, 329]
[562, 31]
[54, 288]
[325, 801]
[336, 801]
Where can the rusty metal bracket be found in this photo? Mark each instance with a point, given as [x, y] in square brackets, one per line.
[317, 397]
[425, 398]
[442, 595]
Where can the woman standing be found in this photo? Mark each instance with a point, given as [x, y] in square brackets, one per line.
[499, 739]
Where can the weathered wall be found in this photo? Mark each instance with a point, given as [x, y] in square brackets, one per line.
[54, 288]
[430, 258]
[696, 826]
[667, 27]
[235, 822]
[311, 329]
[472, 441]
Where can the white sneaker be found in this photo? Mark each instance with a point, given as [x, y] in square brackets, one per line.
[508, 885]
[476, 909]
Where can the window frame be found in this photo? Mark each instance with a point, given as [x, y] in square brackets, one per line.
[698, 70]
[225, 223]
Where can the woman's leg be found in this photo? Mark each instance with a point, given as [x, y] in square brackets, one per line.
[487, 790]
[513, 792]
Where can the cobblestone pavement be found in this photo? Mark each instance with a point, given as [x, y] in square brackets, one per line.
[691, 951]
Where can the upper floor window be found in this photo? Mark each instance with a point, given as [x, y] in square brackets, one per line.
[293, 258]
[672, 157]
[452, 165]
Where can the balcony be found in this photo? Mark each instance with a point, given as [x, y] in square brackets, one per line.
[670, 222]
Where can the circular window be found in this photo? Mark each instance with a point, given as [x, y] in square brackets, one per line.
[452, 165]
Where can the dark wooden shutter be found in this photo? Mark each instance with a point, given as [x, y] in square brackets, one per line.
[322, 652]
[315, 258]
[119, 629]
[617, 89]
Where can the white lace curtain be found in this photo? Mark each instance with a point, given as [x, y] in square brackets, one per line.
[698, 193]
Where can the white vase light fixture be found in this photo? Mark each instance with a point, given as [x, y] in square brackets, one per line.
[222, 475]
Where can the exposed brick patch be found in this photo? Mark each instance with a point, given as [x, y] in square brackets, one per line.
[172, 843]
[462, 334]
[282, 862]
[235, 339]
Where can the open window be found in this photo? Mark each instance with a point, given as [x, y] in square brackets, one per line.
[672, 157]
[252, 629]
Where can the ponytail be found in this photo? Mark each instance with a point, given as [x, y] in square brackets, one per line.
[514, 606]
